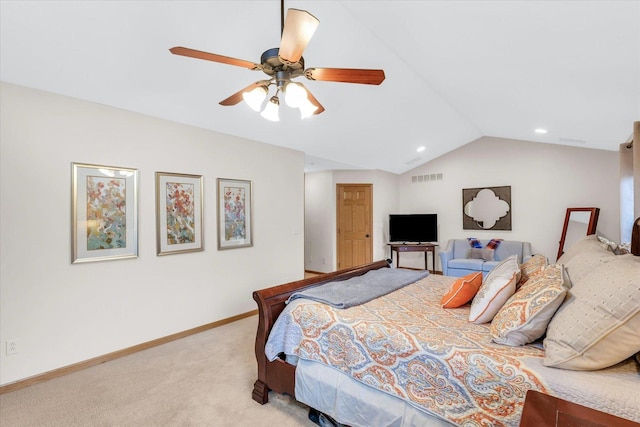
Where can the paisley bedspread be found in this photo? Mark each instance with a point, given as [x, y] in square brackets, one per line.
[406, 345]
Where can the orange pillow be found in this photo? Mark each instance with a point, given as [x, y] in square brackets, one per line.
[462, 291]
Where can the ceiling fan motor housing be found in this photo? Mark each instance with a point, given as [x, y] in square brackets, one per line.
[271, 64]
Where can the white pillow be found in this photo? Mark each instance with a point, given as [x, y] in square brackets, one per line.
[525, 316]
[495, 290]
[583, 256]
[598, 325]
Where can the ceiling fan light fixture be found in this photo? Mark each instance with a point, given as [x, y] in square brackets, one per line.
[299, 27]
[295, 94]
[307, 108]
[255, 97]
[270, 111]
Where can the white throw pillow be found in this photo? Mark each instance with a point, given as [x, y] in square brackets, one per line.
[495, 290]
[598, 325]
[525, 316]
[583, 256]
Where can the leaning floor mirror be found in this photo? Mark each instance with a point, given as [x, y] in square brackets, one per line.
[578, 222]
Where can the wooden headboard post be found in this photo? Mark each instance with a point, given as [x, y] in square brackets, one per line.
[635, 237]
[279, 375]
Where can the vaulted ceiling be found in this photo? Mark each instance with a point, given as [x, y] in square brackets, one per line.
[455, 70]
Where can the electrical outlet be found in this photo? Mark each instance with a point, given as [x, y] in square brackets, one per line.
[12, 347]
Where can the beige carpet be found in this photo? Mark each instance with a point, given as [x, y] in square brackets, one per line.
[202, 380]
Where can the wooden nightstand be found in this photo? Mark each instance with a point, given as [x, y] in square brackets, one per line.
[542, 410]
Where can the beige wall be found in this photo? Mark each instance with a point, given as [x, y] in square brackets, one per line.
[320, 213]
[545, 180]
[61, 313]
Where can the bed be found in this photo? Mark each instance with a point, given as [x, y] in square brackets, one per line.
[402, 359]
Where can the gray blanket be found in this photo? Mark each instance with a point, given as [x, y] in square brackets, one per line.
[360, 289]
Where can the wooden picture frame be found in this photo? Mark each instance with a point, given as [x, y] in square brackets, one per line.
[179, 213]
[104, 213]
[578, 223]
[235, 214]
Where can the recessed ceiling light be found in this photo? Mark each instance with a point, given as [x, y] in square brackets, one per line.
[421, 149]
[540, 130]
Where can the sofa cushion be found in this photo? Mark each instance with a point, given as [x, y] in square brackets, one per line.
[526, 314]
[489, 265]
[482, 253]
[598, 325]
[469, 264]
[508, 248]
[496, 289]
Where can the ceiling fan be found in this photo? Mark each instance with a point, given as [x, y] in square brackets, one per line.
[284, 63]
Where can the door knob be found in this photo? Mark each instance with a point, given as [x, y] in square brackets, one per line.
[366, 235]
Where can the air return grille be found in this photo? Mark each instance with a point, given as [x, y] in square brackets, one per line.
[426, 178]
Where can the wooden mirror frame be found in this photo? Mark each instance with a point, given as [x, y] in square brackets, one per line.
[591, 226]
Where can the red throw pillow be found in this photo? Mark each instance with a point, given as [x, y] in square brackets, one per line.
[462, 291]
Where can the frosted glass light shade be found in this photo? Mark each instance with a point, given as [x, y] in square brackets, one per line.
[270, 112]
[299, 26]
[295, 95]
[307, 109]
[255, 97]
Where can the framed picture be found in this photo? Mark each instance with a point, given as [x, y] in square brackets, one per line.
[178, 213]
[234, 214]
[104, 217]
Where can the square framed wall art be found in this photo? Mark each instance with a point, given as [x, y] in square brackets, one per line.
[178, 213]
[104, 213]
[235, 214]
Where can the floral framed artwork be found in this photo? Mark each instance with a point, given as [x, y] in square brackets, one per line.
[235, 213]
[104, 217]
[178, 213]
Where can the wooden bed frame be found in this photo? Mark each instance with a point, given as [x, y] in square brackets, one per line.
[278, 375]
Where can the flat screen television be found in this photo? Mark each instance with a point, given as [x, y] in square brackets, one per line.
[413, 228]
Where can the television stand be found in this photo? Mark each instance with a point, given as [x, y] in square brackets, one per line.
[415, 247]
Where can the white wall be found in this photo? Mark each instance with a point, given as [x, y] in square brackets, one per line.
[320, 213]
[545, 180]
[61, 313]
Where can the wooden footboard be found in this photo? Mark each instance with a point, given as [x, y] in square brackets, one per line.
[278, 375]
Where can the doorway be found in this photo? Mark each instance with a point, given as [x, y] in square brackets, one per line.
[354, 224]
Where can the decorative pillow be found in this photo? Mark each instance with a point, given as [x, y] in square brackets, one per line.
[497, 287]
[531, 267]
[485, 254]
[599, 323]
[618, 249]
[584, 256]
[493, 243]
[525, 316]
[462, 291]
[475, 243]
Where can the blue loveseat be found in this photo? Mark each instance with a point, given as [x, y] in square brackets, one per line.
[458, 260]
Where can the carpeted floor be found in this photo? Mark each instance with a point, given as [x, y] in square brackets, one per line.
[202, 380]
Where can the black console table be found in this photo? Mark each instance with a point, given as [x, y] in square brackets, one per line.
[416, 247]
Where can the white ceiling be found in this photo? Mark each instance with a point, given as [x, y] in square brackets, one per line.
[455, 70]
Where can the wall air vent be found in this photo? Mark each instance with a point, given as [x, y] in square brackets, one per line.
[426, 178]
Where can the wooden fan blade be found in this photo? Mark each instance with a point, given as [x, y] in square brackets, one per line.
[198, 54]
[346, 75]
[299, 27]
[237, 97]
[314, 101]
